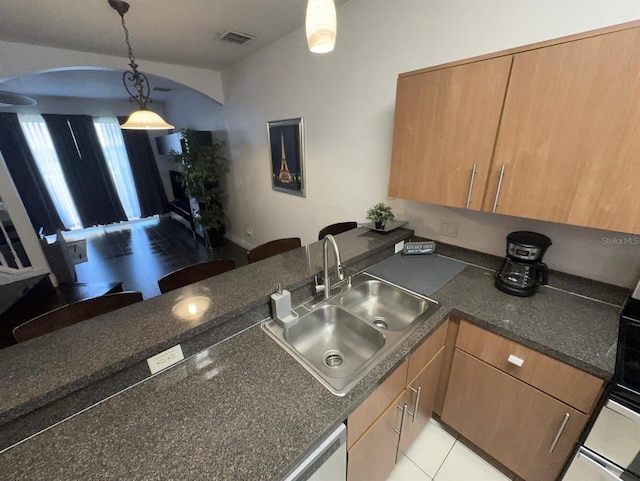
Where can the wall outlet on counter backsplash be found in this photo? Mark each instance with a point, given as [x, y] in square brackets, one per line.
[449, 227]
[165, 359]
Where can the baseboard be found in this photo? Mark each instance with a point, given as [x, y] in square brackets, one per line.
[241, 242]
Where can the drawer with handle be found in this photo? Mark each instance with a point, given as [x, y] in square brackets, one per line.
[562, 381]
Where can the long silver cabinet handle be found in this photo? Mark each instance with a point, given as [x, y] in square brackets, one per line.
[415, 406]
[562, 426]
[399, 433]
[495, 202]
[402, 408]
[473, 177]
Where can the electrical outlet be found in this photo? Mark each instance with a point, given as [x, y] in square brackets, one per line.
[165, 359]
[399, 246]
[449, 227]
[249, 231]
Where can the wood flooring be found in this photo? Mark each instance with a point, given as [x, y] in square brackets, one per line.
[139, 253]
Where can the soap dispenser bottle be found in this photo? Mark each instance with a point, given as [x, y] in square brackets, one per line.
[281, 308]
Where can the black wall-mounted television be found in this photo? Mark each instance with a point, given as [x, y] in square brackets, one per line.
[173, 142]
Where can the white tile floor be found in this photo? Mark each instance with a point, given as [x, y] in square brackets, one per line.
[437, 455]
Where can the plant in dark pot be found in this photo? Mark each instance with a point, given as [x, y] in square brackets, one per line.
[203, 168]
[380, 214]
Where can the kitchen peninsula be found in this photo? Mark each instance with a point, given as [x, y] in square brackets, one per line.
[244, 409]
[44, 369]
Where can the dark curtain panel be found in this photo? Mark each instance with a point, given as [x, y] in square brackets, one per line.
[85, 169]
[151, 194]
[26, 176]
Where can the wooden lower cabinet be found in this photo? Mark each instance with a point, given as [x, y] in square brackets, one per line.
[528, 431]
[373, 456]
[376, 432]
[420, 395]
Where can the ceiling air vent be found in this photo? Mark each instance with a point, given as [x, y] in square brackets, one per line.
[236, 38]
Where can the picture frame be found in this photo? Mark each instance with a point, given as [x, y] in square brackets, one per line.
[286, 149]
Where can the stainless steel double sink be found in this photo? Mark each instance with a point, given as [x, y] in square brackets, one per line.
[340, 339]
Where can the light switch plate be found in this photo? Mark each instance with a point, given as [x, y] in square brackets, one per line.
[165, 359]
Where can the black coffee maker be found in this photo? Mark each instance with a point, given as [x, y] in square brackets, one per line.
[522, 270]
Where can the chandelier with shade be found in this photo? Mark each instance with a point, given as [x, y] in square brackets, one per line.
[137, 85]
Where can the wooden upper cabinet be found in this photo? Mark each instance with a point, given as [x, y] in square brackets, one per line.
[570, 134]
[445, 122]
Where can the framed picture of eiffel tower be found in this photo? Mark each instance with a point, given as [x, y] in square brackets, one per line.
[286, 146]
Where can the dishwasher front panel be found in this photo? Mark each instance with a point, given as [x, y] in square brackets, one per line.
[616, 436]
[328, 462]
[588, 466]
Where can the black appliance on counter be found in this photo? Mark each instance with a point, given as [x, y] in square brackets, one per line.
[611, 450]
[522, 270]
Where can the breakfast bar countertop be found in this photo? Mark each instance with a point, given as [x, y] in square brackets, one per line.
[244, 409]
[50, 367]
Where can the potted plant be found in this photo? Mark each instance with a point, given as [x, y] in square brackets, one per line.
[202, 174]
[380, 214]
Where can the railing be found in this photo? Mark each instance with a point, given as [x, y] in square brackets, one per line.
[21, 255]
[6, 242]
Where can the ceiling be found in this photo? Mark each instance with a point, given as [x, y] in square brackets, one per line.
[169, 31]
[176, 32]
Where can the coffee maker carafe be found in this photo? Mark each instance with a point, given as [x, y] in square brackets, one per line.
[522, 270]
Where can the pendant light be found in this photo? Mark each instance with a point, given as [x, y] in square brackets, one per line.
[137, 85]
[321, 25]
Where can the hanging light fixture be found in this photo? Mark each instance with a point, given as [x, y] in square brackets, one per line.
[137, 85]
[321, 25]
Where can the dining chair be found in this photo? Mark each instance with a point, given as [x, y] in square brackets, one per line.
[337, 228]
[194, 273]
[273, 248]
[73, 313]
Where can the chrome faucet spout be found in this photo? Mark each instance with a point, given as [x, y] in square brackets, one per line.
[329, 240]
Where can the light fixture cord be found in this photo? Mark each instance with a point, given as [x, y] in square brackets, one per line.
[138, 79]
[132, 59]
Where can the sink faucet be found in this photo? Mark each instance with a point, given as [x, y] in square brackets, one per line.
[326, 286]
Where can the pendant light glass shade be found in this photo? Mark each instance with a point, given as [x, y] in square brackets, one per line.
[145, 120]
[321, 25]
[136, 84]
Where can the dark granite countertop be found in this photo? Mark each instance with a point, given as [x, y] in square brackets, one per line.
[574, 329]
[578, 330]
[244, 409]
[50, 367]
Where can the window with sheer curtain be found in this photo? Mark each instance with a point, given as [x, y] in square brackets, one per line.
[115, 152]
[41, 145]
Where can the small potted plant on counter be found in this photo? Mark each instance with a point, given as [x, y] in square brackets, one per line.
[380, 214]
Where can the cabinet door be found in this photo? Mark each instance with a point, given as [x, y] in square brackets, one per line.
[421, 395]
[373, 457]
[364, 416]
[569, 137]
[445, 122]
[528, 431]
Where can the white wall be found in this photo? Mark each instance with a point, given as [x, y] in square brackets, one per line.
[19, 58]
[347, 101]
[78, 106]
[189, 109]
